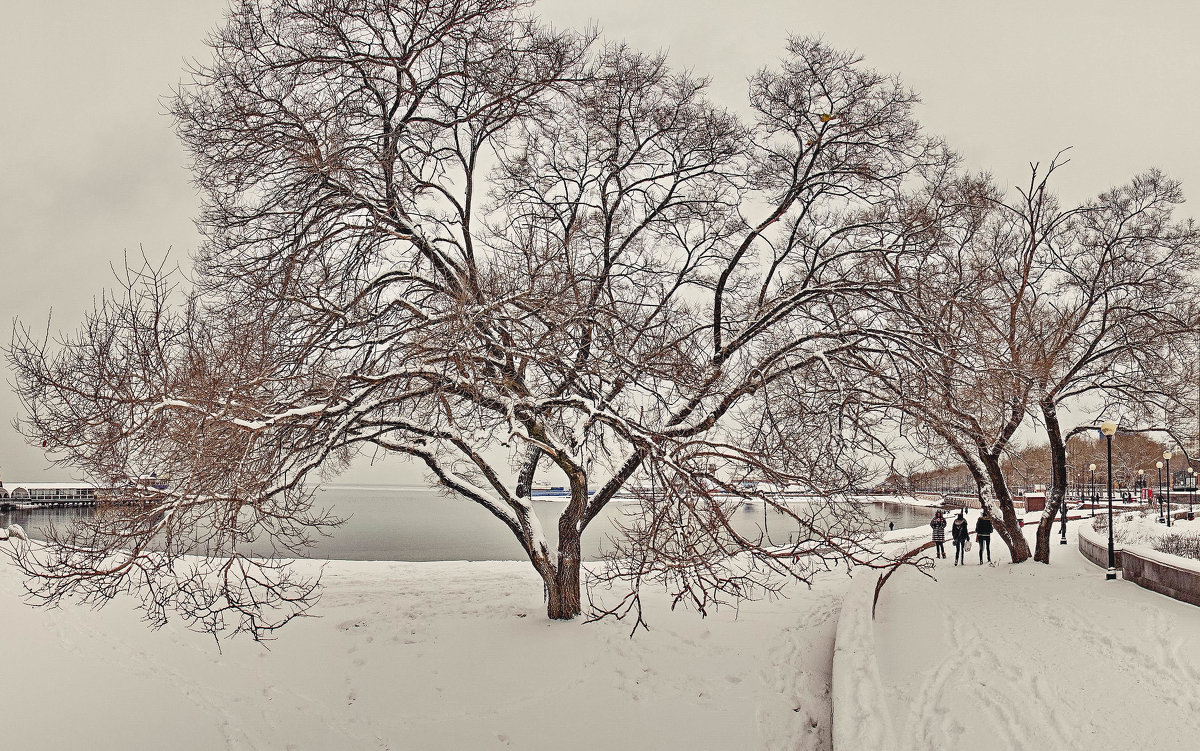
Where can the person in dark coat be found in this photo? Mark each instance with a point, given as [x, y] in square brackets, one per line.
[983, 535]
[959, 532]
[939, 533]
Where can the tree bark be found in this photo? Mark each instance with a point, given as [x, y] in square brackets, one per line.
[1010, 529]
[562, 592]
[563, 600]
[1058, 482]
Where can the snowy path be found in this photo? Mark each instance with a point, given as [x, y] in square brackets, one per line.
[424, 656]
[1037, 657]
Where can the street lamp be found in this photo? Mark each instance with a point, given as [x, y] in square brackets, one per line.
[1160, 488]
[1092, 468]
[1191, 491]
[1066, 471]
[1109, 429]
[1167, 457]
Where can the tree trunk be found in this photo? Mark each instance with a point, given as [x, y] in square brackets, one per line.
[562, 592]
[1010, 529]
[563, 601]
[1058, 483]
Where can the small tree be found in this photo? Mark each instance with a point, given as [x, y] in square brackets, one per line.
[441, 230]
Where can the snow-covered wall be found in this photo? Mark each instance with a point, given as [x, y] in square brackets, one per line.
[861, 719]
[1094, 546]
[1170, 575]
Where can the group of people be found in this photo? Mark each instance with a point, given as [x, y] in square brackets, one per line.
[960, 533]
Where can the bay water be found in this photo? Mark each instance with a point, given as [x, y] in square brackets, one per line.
[405, 523]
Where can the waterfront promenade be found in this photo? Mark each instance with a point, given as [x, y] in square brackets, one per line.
[1035, 656]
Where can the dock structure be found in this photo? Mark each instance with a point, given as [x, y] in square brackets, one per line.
[46, 494]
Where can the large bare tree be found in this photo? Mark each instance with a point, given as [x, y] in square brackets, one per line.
[1113, 316]
[952, 373]
[442, 230]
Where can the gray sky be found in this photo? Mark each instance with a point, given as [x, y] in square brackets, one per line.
[90, 168]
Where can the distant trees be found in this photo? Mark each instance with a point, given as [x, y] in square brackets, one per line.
[444, 231]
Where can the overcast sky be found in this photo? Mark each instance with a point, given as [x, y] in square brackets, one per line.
[90, 168]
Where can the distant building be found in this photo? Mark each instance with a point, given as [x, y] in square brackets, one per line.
[49, 492]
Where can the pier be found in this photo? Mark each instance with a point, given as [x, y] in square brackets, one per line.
[48, 494]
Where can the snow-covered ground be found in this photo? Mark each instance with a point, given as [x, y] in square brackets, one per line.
[423, 656]
[1035, 657]
[1143, 527]
[460, 656]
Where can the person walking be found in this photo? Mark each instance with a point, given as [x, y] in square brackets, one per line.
[959, 532]
[983, 535]
[939, 533]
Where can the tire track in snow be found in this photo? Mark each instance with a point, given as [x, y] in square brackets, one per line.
[928, 724]
[972, 667]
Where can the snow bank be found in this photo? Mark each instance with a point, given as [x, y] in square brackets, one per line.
[861, 719]
[930, 501]
[1190, 565]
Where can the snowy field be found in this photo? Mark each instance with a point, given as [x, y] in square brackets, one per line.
[423, 656]
[460, 656]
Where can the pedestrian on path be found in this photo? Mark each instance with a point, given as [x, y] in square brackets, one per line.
[960, 532]
[983, 535]
[939, 533]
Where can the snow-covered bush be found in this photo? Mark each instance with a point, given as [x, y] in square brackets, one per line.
[1179, 543]
[1142, 528]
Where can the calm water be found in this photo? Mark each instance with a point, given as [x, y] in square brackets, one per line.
[394, 523]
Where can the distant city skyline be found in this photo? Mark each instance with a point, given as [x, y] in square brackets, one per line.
[90, 169]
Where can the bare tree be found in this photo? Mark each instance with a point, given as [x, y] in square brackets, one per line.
[1112, 314]
[952, 371]
[1022, 306]
[441, 230]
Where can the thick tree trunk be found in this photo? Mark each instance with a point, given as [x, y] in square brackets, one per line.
[563, 601]
[1009, 529]
[562, 592]
[1058, 483]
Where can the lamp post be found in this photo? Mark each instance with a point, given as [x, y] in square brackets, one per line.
[1109, 429]
[1191, 491]
[1160, 488]
[1092, 468]
[1167, 458]
[1063, 501]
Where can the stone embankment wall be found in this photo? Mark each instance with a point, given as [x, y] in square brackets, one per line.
[1171, 575]
[1094, 546]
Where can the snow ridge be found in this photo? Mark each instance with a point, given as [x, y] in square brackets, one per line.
[861, 718]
